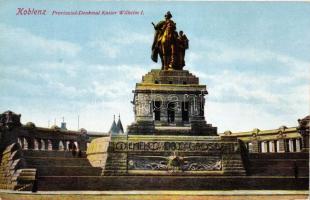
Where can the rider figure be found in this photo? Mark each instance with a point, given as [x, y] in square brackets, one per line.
[159, 29]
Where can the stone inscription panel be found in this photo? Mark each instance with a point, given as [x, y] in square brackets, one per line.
[157, 146]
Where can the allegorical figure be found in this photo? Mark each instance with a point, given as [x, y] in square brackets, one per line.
[182, 46]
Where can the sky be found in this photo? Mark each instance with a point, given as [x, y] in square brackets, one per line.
[254, 58]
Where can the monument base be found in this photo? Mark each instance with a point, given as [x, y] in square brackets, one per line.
[170, 156]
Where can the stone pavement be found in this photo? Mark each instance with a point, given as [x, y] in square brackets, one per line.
[159, 195]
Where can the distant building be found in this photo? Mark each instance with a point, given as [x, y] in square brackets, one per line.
[117, 128]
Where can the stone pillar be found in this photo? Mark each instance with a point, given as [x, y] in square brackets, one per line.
[25, 143]
[291, 145]
[193, 107]
[20, 142]
[298, 149]
[163, 113]
[271, 147]
[305, 142]
[144, 123]
[43, 144]
[281, 145]
[49, 145]
[255, 146]
[143, 108]
[30, 143]
[61, 146]
[36, 145]
[178, 113]
[200, 104]
[55, 145]
[264, 147]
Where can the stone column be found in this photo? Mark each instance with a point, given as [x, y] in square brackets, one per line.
[143, 108]
[291, 145]
[25, 143]
[298, 149]
[163, 113]
[303, 129]
[83, 145]
[255, 146]
[178, 113]
[271, 147]
[45, 144]
[49, 145]
[20, 142]
[200, 104]
[264, 146]
[36, 144]
[61, 146]
[193, 108]
[281, 145]
[305, 140]
[55, 145]
[30, 143]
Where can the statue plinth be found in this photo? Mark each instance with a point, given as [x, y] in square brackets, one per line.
[170, 103]
[171, 155]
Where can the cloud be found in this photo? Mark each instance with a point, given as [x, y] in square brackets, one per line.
[251, 88]
[20, 45]
[106, 48]
[236, 117]
[119, 43]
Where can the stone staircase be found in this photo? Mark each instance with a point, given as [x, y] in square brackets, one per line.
[233, 165]
[59, 170]
[55, 168]
[68, 176]
[116, 164]
[14, 174]
[5, 172]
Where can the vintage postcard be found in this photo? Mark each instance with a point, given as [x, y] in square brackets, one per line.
[154, 99]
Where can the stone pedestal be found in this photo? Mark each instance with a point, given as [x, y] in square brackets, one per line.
[172, 99]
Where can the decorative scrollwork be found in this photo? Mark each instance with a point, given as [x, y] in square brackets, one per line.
[147, 165]
[200, 166]
[175, 163]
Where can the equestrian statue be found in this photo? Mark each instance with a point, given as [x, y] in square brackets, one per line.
[169, 44]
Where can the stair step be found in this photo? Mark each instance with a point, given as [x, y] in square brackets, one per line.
[51, 183]
[46, 161]
[283, 171]
[47, 153]
[68, 171]
[278, 163]
[262, 156]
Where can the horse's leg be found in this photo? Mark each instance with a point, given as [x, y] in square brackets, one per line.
[164, 56]
[172, 56]
[161, 58]
[162, 62]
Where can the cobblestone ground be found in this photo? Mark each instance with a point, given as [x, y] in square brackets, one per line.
[149, 197]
